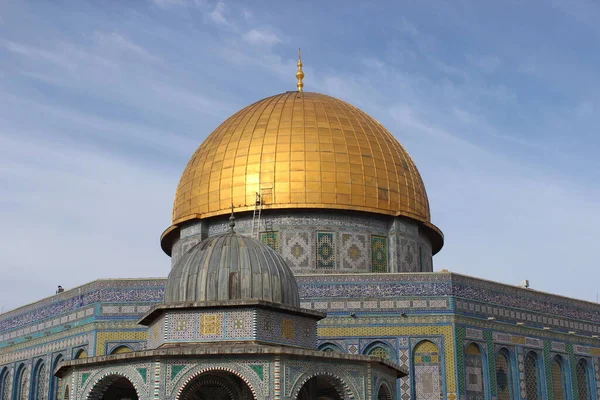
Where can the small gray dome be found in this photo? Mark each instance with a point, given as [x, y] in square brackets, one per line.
[231, 267]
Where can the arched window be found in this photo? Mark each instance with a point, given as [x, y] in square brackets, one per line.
[583, 381]
[559, 378]
[21, 383]
[503, 375]
[379, 351]
[40, 381]
[474, 372]
[5, 384]
[121, 350]
[426, 371]
[81, 353]
[532, 377]
[56, 383]
[330, 348]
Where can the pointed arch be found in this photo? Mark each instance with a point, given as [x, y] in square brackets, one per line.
[504, 374]
[384, 392]
[330, 347]
[533, 386]
[39, 384]
[558, 372]
[20, 389]
[582, 373]
[380, 349]
[474, 362]
[121, 349]
[81, 353]
[55, 382]
[427, 382]
[5, 384]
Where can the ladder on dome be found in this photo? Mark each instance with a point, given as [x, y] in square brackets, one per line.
[256, 216]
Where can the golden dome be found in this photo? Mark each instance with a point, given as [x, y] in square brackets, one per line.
[301, 150]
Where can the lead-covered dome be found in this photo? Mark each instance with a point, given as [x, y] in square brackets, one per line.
[231, 267]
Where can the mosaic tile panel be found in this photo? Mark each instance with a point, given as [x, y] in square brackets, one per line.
[474, 372]
[271, 239]
[426, 366]
[403, 362]
[379, 254]
[182, 326]
[282, 328]
[239, 324]
[354, 252]
[297, 250]
[210, 324]
[503, 375]
[325, 250]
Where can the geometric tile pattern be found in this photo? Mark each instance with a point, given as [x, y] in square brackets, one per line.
[558, 382]
[297, 250]
[474, 372]
[531, 377]
[325, 250]
[379, 254]
[210, 324]
[271, 239]
[426, 366]
[503, 376]
[583, 383]
[354, 252]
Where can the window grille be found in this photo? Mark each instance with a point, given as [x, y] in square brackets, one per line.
[531, 377]
[503, 381]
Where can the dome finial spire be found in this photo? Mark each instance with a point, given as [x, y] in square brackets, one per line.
[231, 220]
[299, 73]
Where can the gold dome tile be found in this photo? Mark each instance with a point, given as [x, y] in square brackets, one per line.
[301, 150]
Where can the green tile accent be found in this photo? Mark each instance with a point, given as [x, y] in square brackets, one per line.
[548, 369]
[379, 254]
[573, 365]
[271, 239]
[491, 358]
[259, 369]
[460, 359]
[143, 372]
[175, 369]
[84, 377]
[325, 250]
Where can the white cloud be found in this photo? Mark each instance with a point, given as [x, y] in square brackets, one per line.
[217, 15]
[261, 36]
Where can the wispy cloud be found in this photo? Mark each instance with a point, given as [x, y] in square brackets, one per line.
[261, 36]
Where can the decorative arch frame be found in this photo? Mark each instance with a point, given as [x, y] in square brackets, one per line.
[485, 370]
[438, 343]
[120, 346]
[102, 375]
[589, 375]
[539, 371]
[330, 346]
[184, 381]
[513, 369]
[4, 373]
[341, 385]
[378, 343]
[385, 386]
[79, 352]
[53, 381]
[36, 377]
[20, 374]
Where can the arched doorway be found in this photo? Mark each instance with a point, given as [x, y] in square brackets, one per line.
[113, 387]
[321, 387]
[216, 385]
[384, 393]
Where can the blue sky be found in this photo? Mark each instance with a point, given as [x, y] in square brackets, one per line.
[102, 103]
